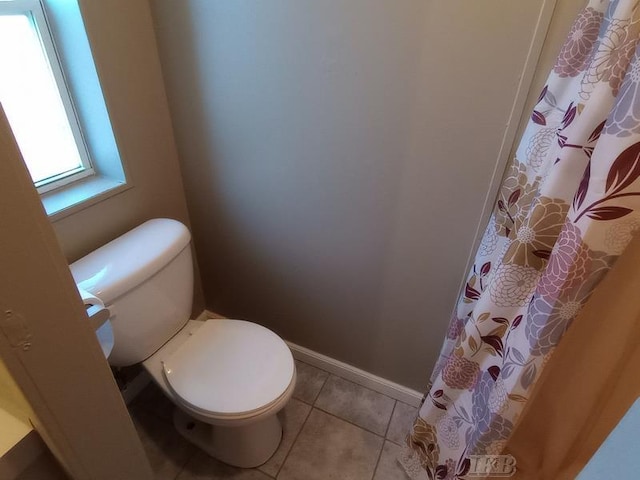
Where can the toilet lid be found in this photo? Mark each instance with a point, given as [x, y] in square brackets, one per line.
[230, 367]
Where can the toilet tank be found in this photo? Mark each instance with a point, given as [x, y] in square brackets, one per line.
[145, 278]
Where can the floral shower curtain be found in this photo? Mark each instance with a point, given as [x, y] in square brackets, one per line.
[568, 206]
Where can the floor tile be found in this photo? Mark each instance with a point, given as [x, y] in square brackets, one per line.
[401, 420]
[356, 404]
[166, 449]
[309, 382]
[292, 418]
[153, 400]
[388, 466]
[204, 467]
[44, 466]
[331, 449]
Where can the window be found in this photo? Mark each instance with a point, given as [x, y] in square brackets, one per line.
[36, 99]
[51, 95]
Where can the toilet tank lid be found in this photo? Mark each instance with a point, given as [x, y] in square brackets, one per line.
[130, 259]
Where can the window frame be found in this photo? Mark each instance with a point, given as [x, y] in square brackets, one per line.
[34, 10]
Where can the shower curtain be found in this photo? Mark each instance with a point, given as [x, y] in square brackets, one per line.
[568, 206]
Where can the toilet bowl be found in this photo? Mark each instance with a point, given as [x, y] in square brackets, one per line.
[227, 378]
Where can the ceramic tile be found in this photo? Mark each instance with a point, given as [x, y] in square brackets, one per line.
[204, 467]
[331, 449]
[152, 400]
[166, 449]
[388, 466]
[401, 420]
[356, 404]
[309, 382]
[292, 418]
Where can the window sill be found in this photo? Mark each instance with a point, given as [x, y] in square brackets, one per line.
[79, 195]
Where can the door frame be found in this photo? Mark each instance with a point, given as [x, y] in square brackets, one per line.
[47, 343]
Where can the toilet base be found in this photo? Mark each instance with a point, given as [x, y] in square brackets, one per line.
[244, 446]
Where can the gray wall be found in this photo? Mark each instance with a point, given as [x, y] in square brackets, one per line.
[336, 158]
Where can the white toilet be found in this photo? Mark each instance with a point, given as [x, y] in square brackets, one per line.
[228, 378]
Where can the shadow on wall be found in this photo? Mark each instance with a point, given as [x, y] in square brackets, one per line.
[233, 260]
[291, 216]
[334, 166]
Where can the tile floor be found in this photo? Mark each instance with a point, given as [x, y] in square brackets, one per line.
[333, 430]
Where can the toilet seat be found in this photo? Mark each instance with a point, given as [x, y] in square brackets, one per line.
[230, 369]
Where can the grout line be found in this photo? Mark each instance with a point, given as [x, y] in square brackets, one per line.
[256, 469]
[358, 385]
[349, 422]
[286, 457]
[395, 402]
[375, 469]
[346, 421]
[395, 443]
[293, 397]
[321, 388]
[386, 432]
[317, 368]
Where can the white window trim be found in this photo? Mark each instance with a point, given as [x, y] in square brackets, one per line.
[73, 51]
[34, 10]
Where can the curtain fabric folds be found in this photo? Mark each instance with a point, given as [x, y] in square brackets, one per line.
[568, 206]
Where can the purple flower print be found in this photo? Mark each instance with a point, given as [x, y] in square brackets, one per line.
[577, 48]
[568, 263]
[625, 117]
[488, 427]
[551, 315]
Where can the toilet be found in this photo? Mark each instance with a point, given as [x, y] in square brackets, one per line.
[227, 378]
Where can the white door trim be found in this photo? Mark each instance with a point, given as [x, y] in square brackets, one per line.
[48, 345]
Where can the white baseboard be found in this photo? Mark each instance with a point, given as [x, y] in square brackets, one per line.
[356, 375]
[135, 386]
[349, 372]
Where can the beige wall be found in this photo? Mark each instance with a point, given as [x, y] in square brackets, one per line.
[124, 49]
[336, 158]
[48, 345]
[11, 397]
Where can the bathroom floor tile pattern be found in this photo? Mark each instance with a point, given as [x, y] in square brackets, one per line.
[333, 429]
